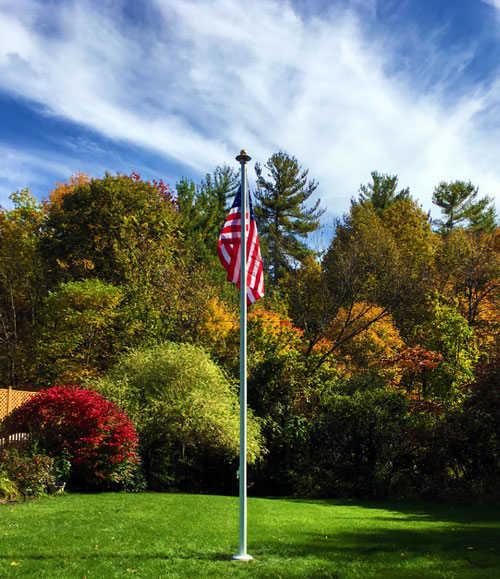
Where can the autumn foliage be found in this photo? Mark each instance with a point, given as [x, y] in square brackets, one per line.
[79, 423]
[364, 357]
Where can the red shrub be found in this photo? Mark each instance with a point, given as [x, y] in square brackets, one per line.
[70, 421]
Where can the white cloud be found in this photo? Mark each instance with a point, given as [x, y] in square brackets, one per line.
[494, 3]
[211, 77]
[23, 167]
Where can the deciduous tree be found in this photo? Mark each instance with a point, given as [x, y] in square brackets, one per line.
[22, 285]
[81, 331]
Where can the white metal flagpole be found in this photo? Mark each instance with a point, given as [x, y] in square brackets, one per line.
[243, 159]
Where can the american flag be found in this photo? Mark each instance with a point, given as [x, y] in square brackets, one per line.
[229, 250]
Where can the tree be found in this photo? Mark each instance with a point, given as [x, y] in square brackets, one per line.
[56, 195]
[22, 285]
[81, 330]
[309, 300]
[103, 227]
[283, 218]
[123, 231]
[469, 268]
[378, 264]
[459, 206]
[370, 347]
[447, 333]
[382, 192]
[361, 266]
[416, 244]
[202, 210]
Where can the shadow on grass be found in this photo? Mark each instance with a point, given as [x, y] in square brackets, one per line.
[478, 546]
[413, 510]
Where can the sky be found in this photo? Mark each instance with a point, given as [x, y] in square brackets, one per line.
[173, 88]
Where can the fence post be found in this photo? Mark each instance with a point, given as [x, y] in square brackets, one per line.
[9, 400]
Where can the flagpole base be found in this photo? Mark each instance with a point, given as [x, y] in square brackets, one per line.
[242, 557]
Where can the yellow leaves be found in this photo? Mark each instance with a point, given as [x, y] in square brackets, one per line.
[274, 330]
[15, 563]
[374, 335]
[411, 228]
[487, 326]
[84, 264]
[216, 323]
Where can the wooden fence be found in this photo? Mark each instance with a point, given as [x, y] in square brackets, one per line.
[10, 399]
[18, 439]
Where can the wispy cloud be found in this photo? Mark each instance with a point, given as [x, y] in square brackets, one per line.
[26, 167]
[494, 3]
[197, 80]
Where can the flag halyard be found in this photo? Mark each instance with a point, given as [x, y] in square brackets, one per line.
[229, 250]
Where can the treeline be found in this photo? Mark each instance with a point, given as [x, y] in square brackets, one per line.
[373, 366]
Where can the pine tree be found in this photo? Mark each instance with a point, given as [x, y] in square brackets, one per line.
[284, 220]
[382, 192]
[459, 206]
[202, 209]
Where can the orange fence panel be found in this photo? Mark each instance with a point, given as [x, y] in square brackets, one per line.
[10, 399]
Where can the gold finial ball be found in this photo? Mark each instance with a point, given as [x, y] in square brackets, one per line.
[243, 157]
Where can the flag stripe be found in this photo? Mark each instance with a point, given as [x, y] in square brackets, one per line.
[229, 249]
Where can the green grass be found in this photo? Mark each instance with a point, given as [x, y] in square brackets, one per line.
[175, 535]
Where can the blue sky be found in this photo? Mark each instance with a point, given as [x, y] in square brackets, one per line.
[172, 88]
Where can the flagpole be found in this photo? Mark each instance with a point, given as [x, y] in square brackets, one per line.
[243, 159]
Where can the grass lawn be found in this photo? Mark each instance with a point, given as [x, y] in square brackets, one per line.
[175, 535]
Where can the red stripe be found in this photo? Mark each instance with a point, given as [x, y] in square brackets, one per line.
[230, 241]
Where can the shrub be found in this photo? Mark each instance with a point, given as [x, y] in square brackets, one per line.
[81, 425]
[421, 463]
[454, 453]
[29, 472]
[187, 415]
[352, 445]
[476, 435]
[8, 488]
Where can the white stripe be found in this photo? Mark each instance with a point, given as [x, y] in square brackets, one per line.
[225, 254]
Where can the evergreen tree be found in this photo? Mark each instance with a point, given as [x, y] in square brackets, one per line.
[459, 206]
[202, 209]
[382, 192]
[284, 220]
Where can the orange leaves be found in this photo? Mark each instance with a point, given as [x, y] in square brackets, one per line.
[272, 331]
[417, 359]
[57, 194]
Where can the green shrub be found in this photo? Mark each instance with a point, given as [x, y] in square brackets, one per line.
[352, 445]
[186, 413]
[8, 489]
[28, 470]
